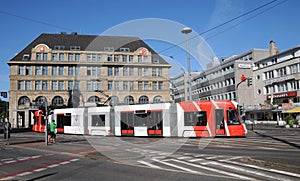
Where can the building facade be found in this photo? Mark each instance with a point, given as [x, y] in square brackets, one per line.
[222, 79]
[277, 82]
[71, 70]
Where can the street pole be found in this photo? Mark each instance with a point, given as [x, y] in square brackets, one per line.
[46, 121]
[186, 31]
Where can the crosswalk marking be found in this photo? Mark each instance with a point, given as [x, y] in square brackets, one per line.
[148, 164]
[175, 166]
[214, 170]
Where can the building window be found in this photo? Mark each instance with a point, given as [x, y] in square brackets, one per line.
[23, 100]
[57, 101]
[77, 85]
[109, 71]
[94, 71]
[131, 85]
[116, 58]
[28, 70]
[45, 70]
[70, 85]
[146, 73]
[130, 58]
[21, 85]
[129, 100]
[54, 56]
[45, 56]
[125, 71]
[125, 85]
[154, 85]
[21, 70]
[109, 58]
[70, 71]
[159, 73]
[157, 99]
[37, 85]
[116, 85]
[38, 56]
[28, 85]
[160, 85]
[143, 100]
[124, 58]
[37, 70]
[61, 70]
[140, 85]
[139, 58]
[70, 57]
[54, 71]
[61, 56]
[146, 85]
[153, 72]
[44, 85]
[88, 85]
[54, 85]
[116, 71]
[88, 71]
[93, 99]
[77, 57]
[131, 72]
[61, 85]
[140, 72]
[109, 85]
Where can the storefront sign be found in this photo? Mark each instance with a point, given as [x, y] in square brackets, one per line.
[283, 95]
[244, 66]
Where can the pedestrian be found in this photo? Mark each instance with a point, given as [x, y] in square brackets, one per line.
[53, 131]
[7, 129]
[48, 132]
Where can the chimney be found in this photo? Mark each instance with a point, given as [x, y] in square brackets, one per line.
[273, 49]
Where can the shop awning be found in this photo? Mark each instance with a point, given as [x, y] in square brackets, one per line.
[294, 110]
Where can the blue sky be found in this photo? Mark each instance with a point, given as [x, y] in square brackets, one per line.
[22, 21]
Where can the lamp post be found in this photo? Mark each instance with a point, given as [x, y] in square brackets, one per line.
[186, 31]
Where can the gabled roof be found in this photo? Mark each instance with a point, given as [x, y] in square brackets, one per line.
[87, 43]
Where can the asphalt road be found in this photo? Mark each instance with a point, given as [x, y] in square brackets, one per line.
[265, 154]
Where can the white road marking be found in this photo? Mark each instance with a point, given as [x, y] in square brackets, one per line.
[149, 164]
[40, 169]
[23, 174]
[214, 170]
[242, 170]
[265, 169]
[175, 166]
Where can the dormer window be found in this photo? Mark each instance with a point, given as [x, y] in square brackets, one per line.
[109, 49]
[59, 47]
[74, 47]
[26, 57]
[124, 50]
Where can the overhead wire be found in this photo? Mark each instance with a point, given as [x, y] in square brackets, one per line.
[222, 24]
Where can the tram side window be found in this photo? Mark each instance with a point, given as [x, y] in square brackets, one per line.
[98, 120]
[127, 121]
[195, 118]
[232, 117]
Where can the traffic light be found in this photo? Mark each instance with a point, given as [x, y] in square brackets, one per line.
[241, 110]
[249, 81]
[243, 78]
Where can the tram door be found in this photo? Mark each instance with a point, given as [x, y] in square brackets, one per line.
[219, 122]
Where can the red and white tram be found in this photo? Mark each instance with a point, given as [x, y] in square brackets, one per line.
[184, 119]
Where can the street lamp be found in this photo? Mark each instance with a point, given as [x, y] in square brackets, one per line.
[186, 31]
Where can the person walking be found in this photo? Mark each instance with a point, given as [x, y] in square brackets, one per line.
[7, 129]
[53, 131]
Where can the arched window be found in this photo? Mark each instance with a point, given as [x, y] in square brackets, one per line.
[157, 99]
[143, 100]
[114, 100]
[93, 99]
[39, 100]
[57, 101]
[128, 100]
[23, 100]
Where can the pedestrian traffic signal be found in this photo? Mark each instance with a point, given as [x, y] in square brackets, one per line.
[243, 78]
[249, 81]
